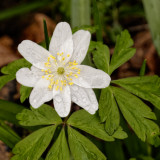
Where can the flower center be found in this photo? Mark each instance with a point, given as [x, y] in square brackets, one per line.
[58, 73]
[60, 70]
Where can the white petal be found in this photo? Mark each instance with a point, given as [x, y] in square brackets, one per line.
[91, 78]
[33, 53]
[81, 40]
[40, 93]
[28, 77]
[62, 40]
[62, 101]
[85, 98]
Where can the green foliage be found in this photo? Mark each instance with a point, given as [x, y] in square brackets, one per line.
[24, 92]
[81, 148]
[8, 111]
[122, 51]
[34, 145]
[152, 10]
[5, 79]
[44, 115]
[136, 113]
[80, 12]
[145, 87]
[89, 123]
[101, 56]
[108, 110]
[59, 150]
[11, 69]
[7, 135]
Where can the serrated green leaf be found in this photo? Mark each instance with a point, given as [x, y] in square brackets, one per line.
[120, 134]
[59, 150]
[145, 87]
[44, 115]
[89, 123]
[8, 111]
[82, 148]
[101, 57]
[5, 79]
[136, 113]
[13, 67]
[33, 146]
[108, 111]
[8, 136]
[24, 92]
[122, 51]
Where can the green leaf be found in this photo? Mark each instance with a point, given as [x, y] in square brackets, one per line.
[8, 136]
[136, 113]
[5, 79]
[89, 123]
[32, 147]
[120, 134]
[8, 111]
[101, 57]
[108, 111]
[143, 68]
[24, 92]
[59, 150]
[145, 87]
[82, 148]
[44, 115]
[46, 34]
[13, 67]
[122, 51]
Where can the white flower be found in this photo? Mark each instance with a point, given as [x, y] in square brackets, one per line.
[57, 74]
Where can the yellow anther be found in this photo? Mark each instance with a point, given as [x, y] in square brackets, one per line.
[42, 70]
[50, 87]
[70, 73]
[47, 78]
[76, 76]
[68, 55]
[70, 83]
[57, 88]
[42, 76]
[58, 54]
[63, 58]
[50, 71]
[78, 72]
[61, 88]
[57, 81]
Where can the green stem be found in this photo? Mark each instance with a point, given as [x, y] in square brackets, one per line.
[97, 21]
